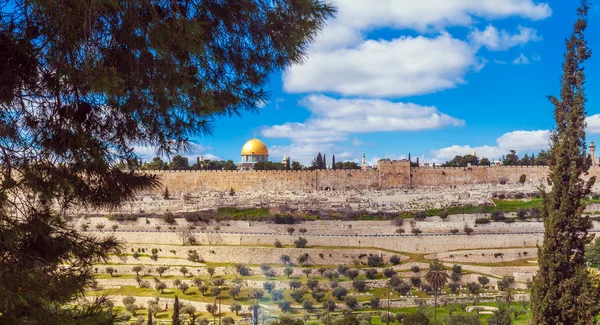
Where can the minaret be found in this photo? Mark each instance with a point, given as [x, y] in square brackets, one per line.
[364, 162]
[593, 153]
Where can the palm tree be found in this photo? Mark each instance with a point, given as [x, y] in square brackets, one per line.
[437, 278]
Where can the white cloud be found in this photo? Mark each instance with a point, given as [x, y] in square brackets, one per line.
[521, 141]
[334, 119]
[521, 59]
[425, 15]
[495, 40]
[305, 152]
[400, 67]
[593, 124]
[499, 61]
[536, 57]
[262, 104]
[359, 143]
[193, 151]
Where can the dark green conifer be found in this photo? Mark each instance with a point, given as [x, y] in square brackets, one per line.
[175, 319]
[562, 292]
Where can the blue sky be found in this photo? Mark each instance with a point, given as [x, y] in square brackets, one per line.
[431, 77]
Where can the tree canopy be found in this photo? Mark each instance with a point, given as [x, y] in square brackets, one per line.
[562, 292]
[83, 82]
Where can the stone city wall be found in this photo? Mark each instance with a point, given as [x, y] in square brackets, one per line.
[408, 243]
[389, 174]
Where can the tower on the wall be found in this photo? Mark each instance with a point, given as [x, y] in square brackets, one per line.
[363, 165]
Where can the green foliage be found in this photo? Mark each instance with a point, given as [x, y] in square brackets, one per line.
[500, 317]
[418, 318]
[522, 178]
[84, 81]
[169, 218]
[269, 165]
[287, 320]
[155, 164]
[300, 242]
[179, 163]
[318, 162]
[462, 161]
[593, 253]
[562, 292]
[347, 165]
[462, 319]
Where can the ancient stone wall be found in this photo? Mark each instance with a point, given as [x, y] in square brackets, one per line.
[389, 174]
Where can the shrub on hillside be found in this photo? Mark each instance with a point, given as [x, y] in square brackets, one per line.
[420, 215]
[497, 215]
[169, 218]
[300, 242]
[374, 260]
[522, 214]
[443, 215]
[482, 221]
[395, 260]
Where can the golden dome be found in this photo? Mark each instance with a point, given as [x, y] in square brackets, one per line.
[254, 147]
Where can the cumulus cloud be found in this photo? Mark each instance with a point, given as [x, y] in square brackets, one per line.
[399, 67]
[521, 59]
[334, 119]
[593, 124]
[427, 15]
[521, 141]
[495, 40]
[306, 152]
[193, 151]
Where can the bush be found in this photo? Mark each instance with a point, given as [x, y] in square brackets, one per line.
[453, 286]
[416, 231]
[339, 292]
[278, 244]
[443, 215]
[276, 295]
[359, 285]
[389, 272]
[300, 242]
[374, 260]
[454, 231]
[395, 260]
[400, 230]
[418, 318]
[402, 288]
[370, 273]
[169, 218]
[351, 302]
[519, 196]
[522, 178]
[374, 302]
[522, 214]
[482, 221]
[497, 215]
[415, 268]
[123, 217]
[468, 230]
[352, 274]
[473, 287]
[415, 281]
[420, 215]
[535, 213]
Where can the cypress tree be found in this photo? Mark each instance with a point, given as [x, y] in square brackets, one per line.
[562, 292]
[175, 318]
[333, 162]
[149, 318]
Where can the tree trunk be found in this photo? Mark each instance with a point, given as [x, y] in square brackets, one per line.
[435, 305]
